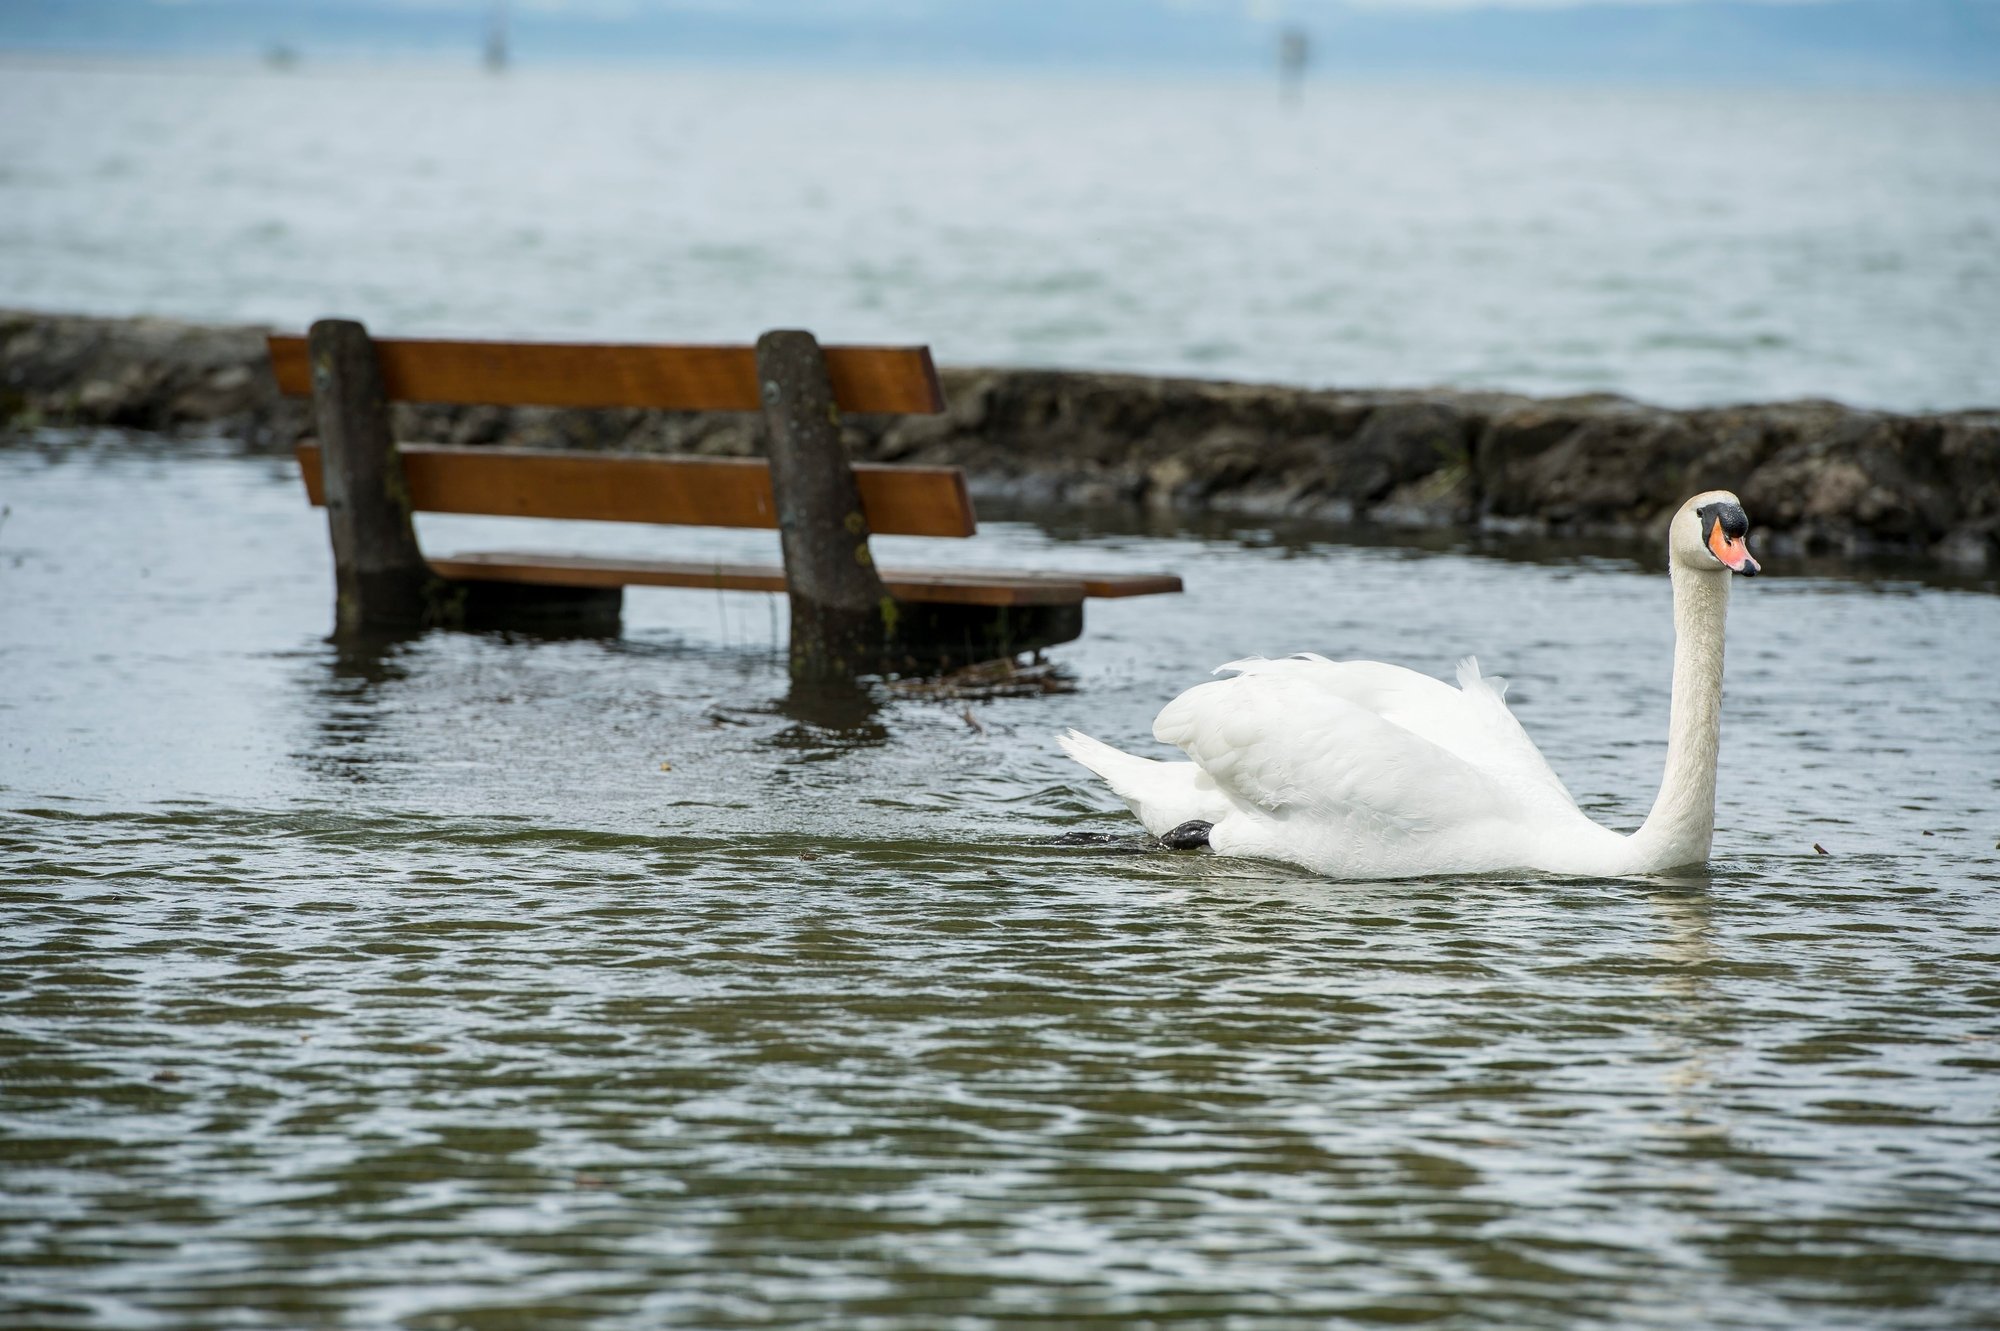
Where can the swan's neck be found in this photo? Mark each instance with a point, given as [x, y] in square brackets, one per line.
[1682, 823]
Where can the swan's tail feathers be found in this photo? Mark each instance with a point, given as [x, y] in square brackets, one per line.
[1164, 795]
[1126, 773]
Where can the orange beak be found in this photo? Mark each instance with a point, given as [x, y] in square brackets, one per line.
[1734, 552]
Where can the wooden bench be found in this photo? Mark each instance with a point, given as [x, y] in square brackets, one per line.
[848, 617]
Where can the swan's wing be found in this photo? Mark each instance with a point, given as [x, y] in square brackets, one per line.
[1471, 722]
[1278, 743]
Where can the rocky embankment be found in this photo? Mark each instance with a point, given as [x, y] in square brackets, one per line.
[1816, 477]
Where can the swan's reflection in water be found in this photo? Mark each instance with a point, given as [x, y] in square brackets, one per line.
[1691, 1021]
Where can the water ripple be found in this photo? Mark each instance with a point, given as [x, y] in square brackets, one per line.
[410, 991]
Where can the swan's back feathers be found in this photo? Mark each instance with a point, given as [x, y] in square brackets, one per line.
[1324, 781]
[1278, 742]
[1471, 722]
[1354, 768]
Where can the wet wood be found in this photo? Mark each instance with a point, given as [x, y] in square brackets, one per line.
[677, 491]
[946, 586]
[883, 380]
[1102, 586]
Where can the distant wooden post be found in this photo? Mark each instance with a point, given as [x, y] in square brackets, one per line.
[1294, 54]
[843, 619]
[380, 578]
[496, 39]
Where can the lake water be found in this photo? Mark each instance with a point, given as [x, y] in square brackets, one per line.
[1686, 247]
[486, 982]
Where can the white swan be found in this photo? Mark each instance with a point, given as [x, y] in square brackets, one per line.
[1356, 769]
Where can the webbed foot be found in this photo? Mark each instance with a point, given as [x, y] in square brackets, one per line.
[1191, 835]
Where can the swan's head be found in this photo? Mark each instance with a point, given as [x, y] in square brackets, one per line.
[1711, 535]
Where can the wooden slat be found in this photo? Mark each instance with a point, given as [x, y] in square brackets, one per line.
[954, 586]
[1101, 586]
[895, 380]
[677, 491]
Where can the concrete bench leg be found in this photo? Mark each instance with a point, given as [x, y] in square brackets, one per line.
[844, 621]
[380, 578]
[843, 618]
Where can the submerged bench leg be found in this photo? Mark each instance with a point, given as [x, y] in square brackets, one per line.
[844, 621]
[843, 618]
[380, 578]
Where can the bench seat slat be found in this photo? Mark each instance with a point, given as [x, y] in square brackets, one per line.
[960, 587]
[1101, 586]
[888, 380]
[676, 491]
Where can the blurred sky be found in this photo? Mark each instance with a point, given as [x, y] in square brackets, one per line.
[1814, 42]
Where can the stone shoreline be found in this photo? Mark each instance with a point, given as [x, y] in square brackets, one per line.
[1816, 477]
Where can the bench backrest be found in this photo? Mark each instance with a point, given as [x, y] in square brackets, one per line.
[687, 491]
[680, 491]
[885, 380]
